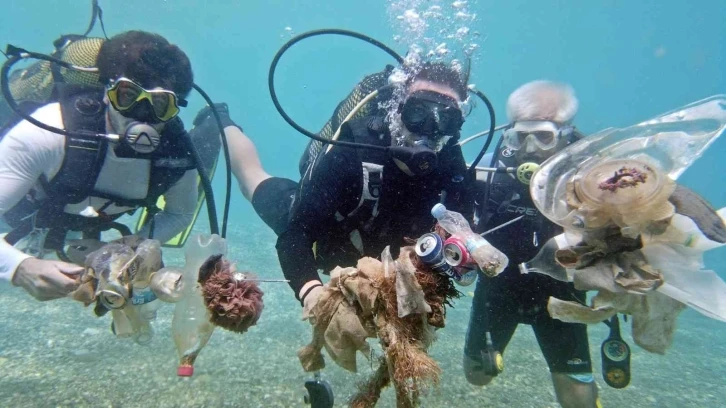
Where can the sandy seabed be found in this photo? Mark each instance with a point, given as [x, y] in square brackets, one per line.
[58, 354]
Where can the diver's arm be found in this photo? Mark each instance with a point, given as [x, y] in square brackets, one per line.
[244, 159]
[331, 187]
[26, 153]
[181, 201]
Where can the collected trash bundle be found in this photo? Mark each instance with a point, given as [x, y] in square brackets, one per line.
[401, 302]
[363, 302]
[127, 278]
[118, 278]
[631, 232]
[214, 294]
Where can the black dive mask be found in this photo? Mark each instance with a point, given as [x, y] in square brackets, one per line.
[431, 114]
[141, 111]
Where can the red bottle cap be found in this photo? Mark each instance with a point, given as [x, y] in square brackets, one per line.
[185, 371]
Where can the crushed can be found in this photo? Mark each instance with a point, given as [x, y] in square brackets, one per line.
[429, 248]
[456, 254]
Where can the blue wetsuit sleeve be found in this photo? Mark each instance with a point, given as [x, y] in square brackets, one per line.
[331, 187]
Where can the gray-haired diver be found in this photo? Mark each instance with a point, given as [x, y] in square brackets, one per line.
[540, 115]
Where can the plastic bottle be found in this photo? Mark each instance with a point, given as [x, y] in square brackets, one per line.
[490, 260]
[544, 262]
[683, 231]
[191, 329]
[190, 325]
[140, 319]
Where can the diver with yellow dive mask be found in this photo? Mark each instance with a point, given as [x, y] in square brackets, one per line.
[94, 153]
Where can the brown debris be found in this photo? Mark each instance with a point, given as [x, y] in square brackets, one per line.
[234, 304]
[360, 303]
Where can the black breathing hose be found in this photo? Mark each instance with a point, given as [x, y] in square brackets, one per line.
[17, 54]
[293, 41]
[389, 51]
[492, 125]
[225, 148]
[206, 185]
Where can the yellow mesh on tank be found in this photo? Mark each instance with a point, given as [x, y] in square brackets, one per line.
[35, 83]
[82, 53]
[361, 90]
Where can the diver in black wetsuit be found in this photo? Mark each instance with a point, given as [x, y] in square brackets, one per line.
[357, 201]
[540, 113]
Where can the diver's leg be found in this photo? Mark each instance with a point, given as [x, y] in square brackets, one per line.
[271, 197]
[486, 315]
[566, 349]
[245, 162]
[272, 200]
[574, 392]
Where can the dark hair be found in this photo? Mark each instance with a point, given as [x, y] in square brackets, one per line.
[146, 58]
[442, 73]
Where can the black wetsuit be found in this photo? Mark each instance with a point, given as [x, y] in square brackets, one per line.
[335, 188]
[501, 303]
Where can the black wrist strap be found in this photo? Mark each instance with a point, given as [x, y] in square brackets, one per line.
[302, 298]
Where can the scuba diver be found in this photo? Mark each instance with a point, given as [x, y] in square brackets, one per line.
[541, 114]
[354, 202]
[54, 183]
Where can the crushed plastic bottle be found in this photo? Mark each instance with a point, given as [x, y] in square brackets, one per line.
[544, 262]
[190, 326]
[191, 330]
[490, 260]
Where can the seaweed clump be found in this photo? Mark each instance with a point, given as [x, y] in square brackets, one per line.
[234, 302]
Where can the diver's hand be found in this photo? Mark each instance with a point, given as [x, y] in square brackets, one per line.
[309, 302]
[206, 116]
[47, 279]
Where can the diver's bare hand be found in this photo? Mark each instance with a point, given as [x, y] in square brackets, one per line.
[47, 279]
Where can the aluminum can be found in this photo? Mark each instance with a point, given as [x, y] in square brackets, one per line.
[429, 248]
[456, 254]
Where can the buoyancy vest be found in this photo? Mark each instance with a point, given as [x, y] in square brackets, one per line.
[363, 230]
[82, 108]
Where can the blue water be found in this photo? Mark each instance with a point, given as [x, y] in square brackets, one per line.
[626, 60]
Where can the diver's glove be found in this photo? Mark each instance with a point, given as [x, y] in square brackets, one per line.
[205, 117]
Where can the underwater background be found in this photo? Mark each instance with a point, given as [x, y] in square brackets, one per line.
[627, 61]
